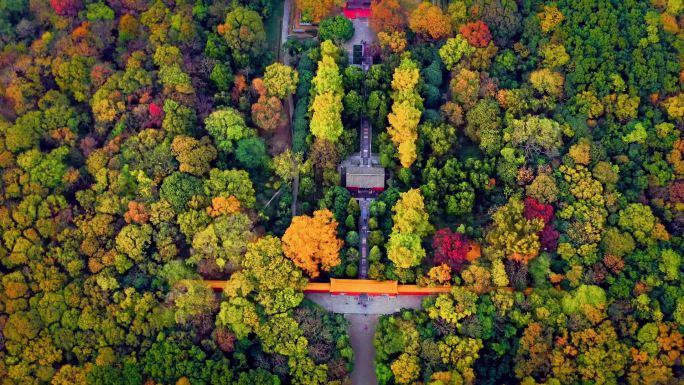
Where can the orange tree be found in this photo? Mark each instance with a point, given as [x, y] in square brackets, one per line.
[312, 243]
[387, 16]
[429, 22]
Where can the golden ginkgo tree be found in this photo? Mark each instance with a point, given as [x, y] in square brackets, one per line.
[311, 242]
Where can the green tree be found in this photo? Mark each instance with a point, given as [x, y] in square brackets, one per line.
[286, 165]
[336, 28]
[190, 362]
[192, 299]
[354, 106]
[638, 219]
[73, 75]
[224, 240]
[252, 153]
[535, 134]
[451, 189]
[133, 241]
[225, 183]
[227, 126]
[240, 315]
[245, 35]
[178, 119]
[484, 125]
[25, 132]
[46, 169]
[99, 11]
[281, 335]
[405, 250]
[455, 49]
[178, 188]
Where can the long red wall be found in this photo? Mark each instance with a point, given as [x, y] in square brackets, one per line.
[357, 286]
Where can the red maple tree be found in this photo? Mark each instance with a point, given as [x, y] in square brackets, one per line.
[477, 33]
[450, 248]
[535, 209]
[66, 7]
[676, 191]
[548, 236]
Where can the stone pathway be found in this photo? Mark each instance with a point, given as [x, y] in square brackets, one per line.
[363, 315]
[362, 32]
[364, 205]
[348, 304]
[361, 333]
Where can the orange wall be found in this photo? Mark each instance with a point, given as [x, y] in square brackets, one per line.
[358, 286]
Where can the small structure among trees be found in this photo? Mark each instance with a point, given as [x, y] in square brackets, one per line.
[359, 178]
[357, 9]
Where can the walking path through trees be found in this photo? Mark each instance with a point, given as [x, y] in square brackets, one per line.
[364, 197]
[284, 57]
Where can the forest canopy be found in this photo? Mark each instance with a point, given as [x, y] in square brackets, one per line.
[534, 161]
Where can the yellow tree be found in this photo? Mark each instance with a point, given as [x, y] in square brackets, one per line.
[406, 369]
[281, 80]
[311, 242]
[410, 215]
[674, 106]
[512, 235]
[318, 9]
[411, 224]
[549, 18]
[195, 156]
[406, 111]
[328, 91]
[547, 81]
[403, 131]
[406, 77]
[394, 41]
[326, 121]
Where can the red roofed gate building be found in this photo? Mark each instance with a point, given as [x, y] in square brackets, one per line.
[357, 9]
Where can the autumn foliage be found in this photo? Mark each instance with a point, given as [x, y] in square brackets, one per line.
[145, 146]
[223, 206]
[267, 113]
[429, 22]
[477, 33]
[66, 7]
[136, 213]
[318, 9]
[387, 16]
[548, 236]
[406, 111]
[450, 248]
[311, 242]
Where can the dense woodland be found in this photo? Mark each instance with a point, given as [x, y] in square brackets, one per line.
[147, 145]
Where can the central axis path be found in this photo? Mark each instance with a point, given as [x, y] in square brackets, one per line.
[366, 161]
[362, 326]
